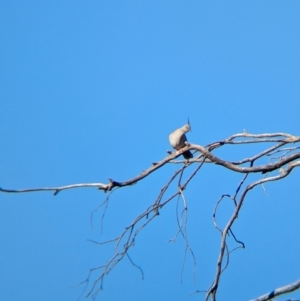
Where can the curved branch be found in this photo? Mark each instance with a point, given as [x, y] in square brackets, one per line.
[279, 291]
[206, 151]
[213, 289]
[262, 168]
[101, 186]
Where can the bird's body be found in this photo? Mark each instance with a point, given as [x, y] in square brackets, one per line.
[178, 138]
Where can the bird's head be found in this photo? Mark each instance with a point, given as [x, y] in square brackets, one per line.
[187, 127]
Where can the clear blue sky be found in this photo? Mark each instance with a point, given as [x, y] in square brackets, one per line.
[90, 90]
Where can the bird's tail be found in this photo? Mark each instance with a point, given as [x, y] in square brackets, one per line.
[187, 155]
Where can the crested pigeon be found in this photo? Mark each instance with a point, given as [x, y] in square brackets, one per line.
[177, 139]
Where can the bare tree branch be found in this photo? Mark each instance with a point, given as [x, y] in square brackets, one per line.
[279, 291]
[287, 158]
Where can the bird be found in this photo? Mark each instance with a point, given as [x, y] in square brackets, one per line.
[177, 139]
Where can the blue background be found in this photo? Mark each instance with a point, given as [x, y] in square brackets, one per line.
[90, 90]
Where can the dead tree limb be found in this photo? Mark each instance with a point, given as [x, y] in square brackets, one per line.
[284, 146]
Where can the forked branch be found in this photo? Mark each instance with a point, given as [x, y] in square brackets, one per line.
[284, 146]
